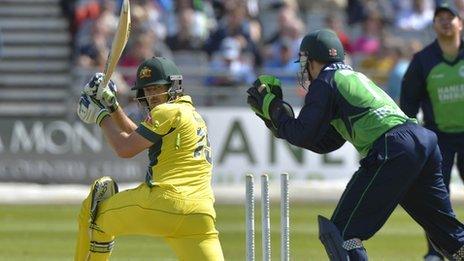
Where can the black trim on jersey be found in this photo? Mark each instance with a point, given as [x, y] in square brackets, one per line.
[153, 152]
[148, 134]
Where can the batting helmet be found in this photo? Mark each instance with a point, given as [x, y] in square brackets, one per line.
[158, 70]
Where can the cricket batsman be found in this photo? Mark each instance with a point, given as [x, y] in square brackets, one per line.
[176, 200]
[401, 160]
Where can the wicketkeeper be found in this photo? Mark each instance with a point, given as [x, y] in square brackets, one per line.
[176, 199]
[401, 160]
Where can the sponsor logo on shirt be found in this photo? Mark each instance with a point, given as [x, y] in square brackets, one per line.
[453, 93]
[437, 76]
[461, 71]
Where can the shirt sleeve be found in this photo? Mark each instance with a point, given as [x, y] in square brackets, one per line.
[161, 121]
[314, 119]
[412, 88]
[330, 141]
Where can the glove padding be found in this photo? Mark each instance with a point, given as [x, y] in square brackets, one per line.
[263, 92]
[108, 99]
[265, 99]
[91, 111]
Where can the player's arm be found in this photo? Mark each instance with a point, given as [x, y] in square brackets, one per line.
[330, 141]
[126, 145]
[313, 122]
[412, 88]
[162, 121]
[123, 122]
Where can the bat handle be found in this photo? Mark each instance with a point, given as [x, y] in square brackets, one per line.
[101, 88]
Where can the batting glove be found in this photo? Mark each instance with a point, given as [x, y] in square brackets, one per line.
[108, 99]
[91, 111]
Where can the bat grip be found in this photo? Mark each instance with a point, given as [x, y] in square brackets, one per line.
[103, 85]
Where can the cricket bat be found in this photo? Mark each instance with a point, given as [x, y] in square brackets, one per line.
[117, 46]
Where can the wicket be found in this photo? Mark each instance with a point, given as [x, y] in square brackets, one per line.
[265, 218]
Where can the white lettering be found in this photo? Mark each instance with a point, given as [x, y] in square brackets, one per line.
[451, 93]
[57, 137]
[53, 130]
[20, 139]
[82, 134]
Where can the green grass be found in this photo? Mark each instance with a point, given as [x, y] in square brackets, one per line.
[48, 233]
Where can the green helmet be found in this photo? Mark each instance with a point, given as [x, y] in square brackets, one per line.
[322, 45]
[158, 70]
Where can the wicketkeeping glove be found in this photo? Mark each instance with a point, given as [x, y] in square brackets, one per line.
[265, 99]
[91, 111]
[263, 92]
[108, 99]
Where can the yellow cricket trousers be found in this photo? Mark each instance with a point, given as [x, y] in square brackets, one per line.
[150, 211]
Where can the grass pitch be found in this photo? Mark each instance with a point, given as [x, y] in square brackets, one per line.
[47, 232]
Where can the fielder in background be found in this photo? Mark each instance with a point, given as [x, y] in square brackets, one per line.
[434, 82]
[401, 160]
[176, 200]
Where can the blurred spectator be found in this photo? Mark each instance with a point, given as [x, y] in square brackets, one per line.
[68, 9]
[284, 60]
[401, 58]
[234, 24]
[417, 17]
[86, 10]
[460, 7]
[355, 11]
[189, 36]
[94, 19]
[152, 17]
[283, 63]
[378, 66]
[334, 22]
[145, 46]
[369, 42]
[228, 68]
[287, 17]
[97, 47]
[360, 10]
[281, 49]
[280, 56]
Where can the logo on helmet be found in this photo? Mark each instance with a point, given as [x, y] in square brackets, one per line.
[145, 73]
[333, 52]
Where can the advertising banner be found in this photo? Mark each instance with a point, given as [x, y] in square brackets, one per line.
[59, 151]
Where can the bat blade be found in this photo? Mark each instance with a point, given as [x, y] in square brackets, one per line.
[117, 46]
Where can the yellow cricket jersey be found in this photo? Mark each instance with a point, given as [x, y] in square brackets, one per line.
[180, 158]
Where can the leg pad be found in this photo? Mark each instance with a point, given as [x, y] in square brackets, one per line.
[332, 240]
[102, 189]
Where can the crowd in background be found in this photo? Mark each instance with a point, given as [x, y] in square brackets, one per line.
[236, 39]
